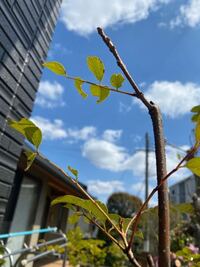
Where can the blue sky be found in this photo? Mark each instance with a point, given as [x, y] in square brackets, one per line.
[159, 41]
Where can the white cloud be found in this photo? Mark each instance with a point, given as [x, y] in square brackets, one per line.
[84, 16]
[174, 98]
[112, 135]
[55, 129]
[109, 156]
[105, 187]
[189, 15]
[50, 94]
[82, 134]
[50, 130]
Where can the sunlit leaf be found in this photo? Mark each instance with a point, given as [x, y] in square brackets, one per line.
[101, 92]
[74, 218]
[30, 158]
[96, 66]
[73, 171]
[117, 80]
[120, 221]
[86, 204]
[197, 131]
[194, 165]
[195, 117]
[55, 67]
[196, 109]
[78, 84]
[184, 208]
[28, 129]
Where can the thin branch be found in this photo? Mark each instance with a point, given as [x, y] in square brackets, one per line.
[137, 217]
[85, 193]
[122, 66]
[102, 86]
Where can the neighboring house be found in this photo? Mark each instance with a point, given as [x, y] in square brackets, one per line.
[32, 194]
[183, 191]
[26, 29]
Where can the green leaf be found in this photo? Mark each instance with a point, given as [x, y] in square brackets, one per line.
[196, 109]
[73, 171]
[197, 131]
[30, 158]
[28, 129]
[101, 92]
[117, 80]
[194, 165]
[96, 66]
[117, 219]
[55, 67]
[74, 218]
[78, 84]
[184, 208]
[139, 234]
[195, 117]
[86, 204]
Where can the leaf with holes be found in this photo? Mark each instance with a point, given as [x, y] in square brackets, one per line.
[117, 80]
[96, 66]
[30, 158]
[194, 165]
[78, 84]
[55, 67]
[86, 204]
[101, 92]
[28, 129]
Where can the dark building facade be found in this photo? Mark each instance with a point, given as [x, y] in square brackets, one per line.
[26, 29]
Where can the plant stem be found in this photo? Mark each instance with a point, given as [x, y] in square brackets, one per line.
[163, 203]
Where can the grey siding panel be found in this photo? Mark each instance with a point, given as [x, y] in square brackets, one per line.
[26, 29]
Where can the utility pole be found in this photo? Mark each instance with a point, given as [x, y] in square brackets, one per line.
[146, 238]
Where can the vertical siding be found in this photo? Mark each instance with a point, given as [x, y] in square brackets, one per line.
[26, 28]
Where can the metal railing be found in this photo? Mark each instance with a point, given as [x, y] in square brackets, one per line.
[32, 253]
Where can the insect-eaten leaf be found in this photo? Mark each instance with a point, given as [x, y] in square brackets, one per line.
[55, 67]
[30, 158]
[101, 92]
[96, 66]
[116, 80]
[78, 84]
[74, 218]
[28, 129]
[86, 204]
[194, 165]
[73, 171]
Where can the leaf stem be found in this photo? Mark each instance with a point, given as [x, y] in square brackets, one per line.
[102, 86]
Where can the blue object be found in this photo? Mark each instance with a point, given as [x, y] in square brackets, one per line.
[45, 230]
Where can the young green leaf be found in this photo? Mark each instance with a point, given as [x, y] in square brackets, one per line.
[28, 129]
[101, 92]
[74, 218]
[197, 131]
[96, 66]
[73, 171]
[78, 84]
[116, 80]
[86, 204]
[30, 158]
[194, 165]
[195, 117]
[55, 67]
[196, 109]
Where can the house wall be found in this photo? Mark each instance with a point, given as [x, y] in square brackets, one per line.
[182, 192]
[26, 29]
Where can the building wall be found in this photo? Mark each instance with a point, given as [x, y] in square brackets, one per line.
[182, 192]
[26, 29]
